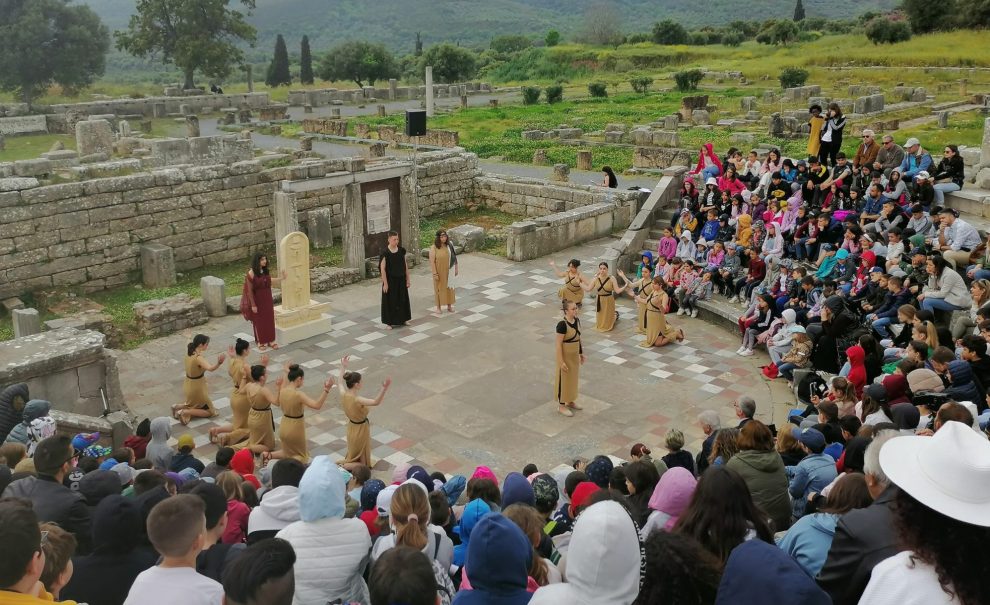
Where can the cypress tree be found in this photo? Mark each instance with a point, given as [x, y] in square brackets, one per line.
[799, 11]
[305, 62]
[278, 70]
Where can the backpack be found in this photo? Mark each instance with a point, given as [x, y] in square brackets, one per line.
[812, 384]
[445, 587]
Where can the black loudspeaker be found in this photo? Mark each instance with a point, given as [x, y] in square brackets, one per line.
[415, 122]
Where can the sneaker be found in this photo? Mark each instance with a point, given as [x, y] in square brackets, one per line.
[680, 311]
[747, 353]
[694, 313]
[740, 350]
[733, 299]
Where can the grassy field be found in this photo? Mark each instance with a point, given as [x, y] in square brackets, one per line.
[483, 217]
[32, 146]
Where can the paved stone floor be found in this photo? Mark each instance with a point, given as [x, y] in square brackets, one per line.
[475, 387]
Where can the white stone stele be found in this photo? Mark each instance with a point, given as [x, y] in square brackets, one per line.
[298, 317]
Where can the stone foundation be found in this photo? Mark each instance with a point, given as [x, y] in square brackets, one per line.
[68, 367]
[167, 315]
[542, 236]
[662, 157]
[337, 128]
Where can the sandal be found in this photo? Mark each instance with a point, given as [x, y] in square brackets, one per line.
[563, 411]
[266, 457]
[574, 406]
[680, 336]
[273, 346]
[262, 348]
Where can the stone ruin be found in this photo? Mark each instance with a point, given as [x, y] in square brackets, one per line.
[690, 105]
[562, 132]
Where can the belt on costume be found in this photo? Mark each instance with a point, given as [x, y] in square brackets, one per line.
[262, 409]
[195, 377]
[362, 422]
[292, 417]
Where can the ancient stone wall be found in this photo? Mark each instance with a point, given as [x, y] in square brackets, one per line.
[535, 197]
[446, 180]
[435, 138]
[89, 234]
[147, 105]
[662, 157]
[548, 234]
[337, 128]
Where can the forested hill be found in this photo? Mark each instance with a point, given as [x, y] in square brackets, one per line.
[475, 22]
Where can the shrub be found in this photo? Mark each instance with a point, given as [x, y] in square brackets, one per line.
[669, 31]
[881, 30]
[641, 84]
[638, 38]
[555, 93]
[597, 89]
[531, 95]
[698, 39]
[552, 38]
[793, 76]
[688, 80]
[732, 39]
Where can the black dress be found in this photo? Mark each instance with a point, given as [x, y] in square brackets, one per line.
[395, 302]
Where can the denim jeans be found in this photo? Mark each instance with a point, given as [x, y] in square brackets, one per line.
[932, 304]
[709, 172]
[941, 189]
[787, 371]
[880, 326]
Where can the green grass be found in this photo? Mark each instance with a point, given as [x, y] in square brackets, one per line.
[483, 217]
[29, 147]
[964, 129]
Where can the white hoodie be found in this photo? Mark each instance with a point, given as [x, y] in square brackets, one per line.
[279, 507]
[603, 561]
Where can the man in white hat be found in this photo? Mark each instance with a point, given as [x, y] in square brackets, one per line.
[863, 537]
[942, 516]
[915, 160]
[867, 151]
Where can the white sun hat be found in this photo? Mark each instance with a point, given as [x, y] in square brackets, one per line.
[949, 472]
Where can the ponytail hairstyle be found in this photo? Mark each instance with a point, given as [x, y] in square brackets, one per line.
[241, 345]
[295, 372]
[639, 450]
[844, 389]
[530, 522]
[351, 379]
[197, 341]
[257, 371]
[410, 515]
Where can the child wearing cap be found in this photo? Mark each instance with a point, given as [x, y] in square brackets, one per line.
[815, 471]
[184, 458]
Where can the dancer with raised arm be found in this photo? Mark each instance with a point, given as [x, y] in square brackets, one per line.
[642, 287]
[257, 305]
[573, 288]
[197, 402]
[605, 290]
[356, 410]
[658, 332]
[261, 422]
[236, 431]
[570, 357]
[292, 428]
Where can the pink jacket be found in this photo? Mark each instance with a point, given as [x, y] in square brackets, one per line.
[667, 247]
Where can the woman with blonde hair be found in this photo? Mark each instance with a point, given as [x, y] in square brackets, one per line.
[725, 446]
[237, 512]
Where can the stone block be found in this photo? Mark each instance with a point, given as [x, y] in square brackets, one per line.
[540, 157]
[94, 136]
[943, 119]
[12, 303]
[376, 150]
[318, 227]
[354, 164]
[192, 126]
[584, 159]
[666, 138]
[561, 173]
[615, 137]
[747, 103]
[214, 296]
[743, 138]
[26, 322]
[570, 133]
[39, 168]
[471, 237]
[165, 316]
[701, 116]
[983, 178]
[157, 266]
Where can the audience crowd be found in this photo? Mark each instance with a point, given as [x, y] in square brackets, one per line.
[873, 302]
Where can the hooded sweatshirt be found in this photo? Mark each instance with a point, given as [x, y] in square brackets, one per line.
[808, 541]
[331, 551]
[685, 247]
[105, 576]
[12, 400]
[745, 232]
[757, 573]
[857, 372]
[670, 497]
[243, 464]
[498, 560]
[279, 507]
[34, 409]
[472, 514]
[517, 489]
[603, 562]
[962, 387]
[159, 452]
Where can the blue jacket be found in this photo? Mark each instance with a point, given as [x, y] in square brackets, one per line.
[808, 541]
[892, 302]
[473, 513]
[912, 165]
[498, 562]
[812, 474]
[758, 573]
[872, 205]
[710, 230]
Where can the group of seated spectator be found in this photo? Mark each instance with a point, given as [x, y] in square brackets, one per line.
[859, 501]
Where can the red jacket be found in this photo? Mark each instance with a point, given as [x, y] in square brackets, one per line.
[710, 154]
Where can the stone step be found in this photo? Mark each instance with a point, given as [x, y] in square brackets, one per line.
[947, 105]
[970, 201]
[651, 245]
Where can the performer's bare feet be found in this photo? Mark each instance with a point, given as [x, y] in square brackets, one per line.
[262, 347]
[274, 346]
[574, 406]
[450, 309]
[563, 411]
[183, 418]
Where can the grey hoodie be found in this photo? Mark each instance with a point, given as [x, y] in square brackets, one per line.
[159, 452]
[279, 507]
[34, 409]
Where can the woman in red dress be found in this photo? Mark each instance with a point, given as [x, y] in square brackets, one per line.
[257, 305]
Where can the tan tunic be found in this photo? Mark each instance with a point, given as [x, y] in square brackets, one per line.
[292, 428]
[194, 386]
[565, 386]
[240, 407]
[442, 293]
[645, 288]
[261, 423]
[656, 320]
[571, 289]
[605, 311]
[358, 430]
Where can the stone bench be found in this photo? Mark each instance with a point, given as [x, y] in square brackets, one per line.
[167, 315]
